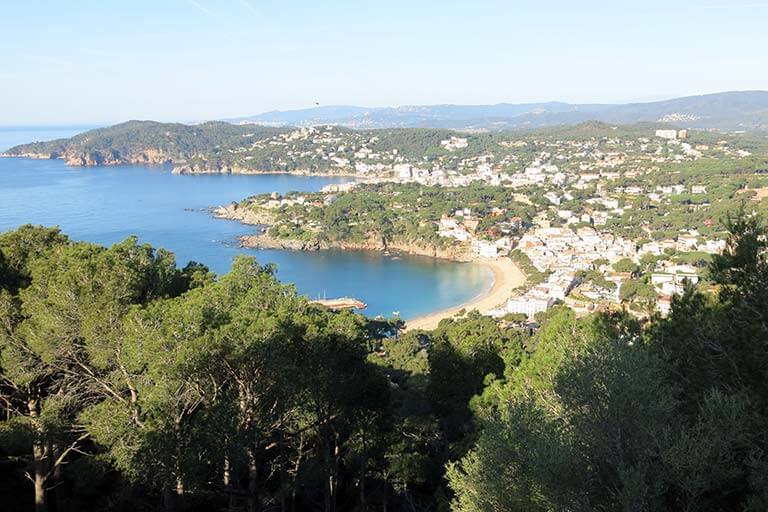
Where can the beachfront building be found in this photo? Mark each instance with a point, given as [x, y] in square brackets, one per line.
[528, 304]
[485, 249]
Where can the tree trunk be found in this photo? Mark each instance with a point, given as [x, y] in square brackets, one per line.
[332, 462]
[362, 493]
[58, 492]
[39, 457]
[327, 488]
[40, 502]
[169, 499]
[296, 468]
[363, 470]
[228, 484]
[335, 481]
[253, 481]
[179, 486]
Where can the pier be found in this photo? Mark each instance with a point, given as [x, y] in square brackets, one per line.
[341, 303]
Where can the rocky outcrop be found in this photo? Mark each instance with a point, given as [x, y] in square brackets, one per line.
[246, 215]
[208, 168]
[263, 240]
[35, 156]
[111, 157]
[78, 158]
[266, 241]
[217, 168]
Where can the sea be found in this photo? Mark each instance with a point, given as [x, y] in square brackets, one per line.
[105, 205]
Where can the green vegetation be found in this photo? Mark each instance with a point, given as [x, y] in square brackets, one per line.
[125, 380]
[533, 276]
[395, 213]
[608, 415]
[125, 141]
[130, 384]
[625, 265]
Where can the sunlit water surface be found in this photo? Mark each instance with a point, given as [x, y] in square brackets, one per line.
[107, 204]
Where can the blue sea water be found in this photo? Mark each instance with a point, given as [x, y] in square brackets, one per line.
[107, 204]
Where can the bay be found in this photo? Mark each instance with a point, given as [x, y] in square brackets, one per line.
[106, 204]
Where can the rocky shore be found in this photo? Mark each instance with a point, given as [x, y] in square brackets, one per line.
[188, 168]
[157, 157]
[233, 211]
[99, 158]
[264, 240]
[507, 276]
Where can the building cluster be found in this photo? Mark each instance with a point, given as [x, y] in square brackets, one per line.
[583, 189]
[516, 163]
[462, 226]
[562, 254]
[565, 255]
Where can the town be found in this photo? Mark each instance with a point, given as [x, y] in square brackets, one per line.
[597, 217]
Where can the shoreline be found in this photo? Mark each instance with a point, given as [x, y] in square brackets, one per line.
[180, 167]
[506, 277]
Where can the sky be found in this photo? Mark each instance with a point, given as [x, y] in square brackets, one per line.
[105, 61]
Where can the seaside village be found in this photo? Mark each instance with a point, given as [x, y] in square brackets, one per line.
[572, 252]
[563, 255]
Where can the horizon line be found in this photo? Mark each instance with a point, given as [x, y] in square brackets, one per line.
[103, 123]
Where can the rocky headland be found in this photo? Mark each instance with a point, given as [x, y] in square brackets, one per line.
[263, 240]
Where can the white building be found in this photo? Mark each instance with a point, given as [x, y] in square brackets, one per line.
[485, 249]
[667, 134]
[528, 305]
[403, 171]
[454, 143]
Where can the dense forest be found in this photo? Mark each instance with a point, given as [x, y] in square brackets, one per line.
[130, 383]
[154, 142]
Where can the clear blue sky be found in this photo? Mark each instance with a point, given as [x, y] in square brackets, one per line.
[108, 60]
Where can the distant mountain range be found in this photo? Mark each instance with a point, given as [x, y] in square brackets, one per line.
[729, 111]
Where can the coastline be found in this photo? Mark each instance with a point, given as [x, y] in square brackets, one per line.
[263, 240]
[506, 277]
[180, 167]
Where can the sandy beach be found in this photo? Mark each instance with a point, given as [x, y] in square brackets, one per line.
[506, 277]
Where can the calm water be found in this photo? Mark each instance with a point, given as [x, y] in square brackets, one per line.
[105, 205]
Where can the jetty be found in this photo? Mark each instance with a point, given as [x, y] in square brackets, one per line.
[341, 303]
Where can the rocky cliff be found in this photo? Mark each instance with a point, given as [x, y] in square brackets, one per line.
[266, 241]
[234, 211]
[111, 157]
[218, 168]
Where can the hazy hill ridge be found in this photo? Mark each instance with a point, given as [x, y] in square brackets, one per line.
[343, 136]
[744, 110]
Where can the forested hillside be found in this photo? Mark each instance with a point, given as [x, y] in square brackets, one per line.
[144, 142]
[128, 383]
